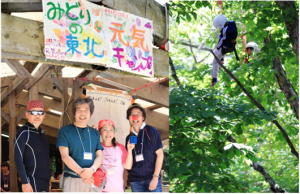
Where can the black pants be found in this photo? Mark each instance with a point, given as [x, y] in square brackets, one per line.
[39, 185]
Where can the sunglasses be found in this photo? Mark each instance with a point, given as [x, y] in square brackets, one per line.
[34, 112]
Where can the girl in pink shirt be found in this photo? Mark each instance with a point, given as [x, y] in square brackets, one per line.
[115, 157]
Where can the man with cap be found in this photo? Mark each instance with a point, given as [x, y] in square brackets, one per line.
[31, 151]
[80, 149]
[144, 176]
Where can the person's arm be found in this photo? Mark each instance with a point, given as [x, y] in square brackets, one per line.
[64, 152]
[88, 172]
[50, 185]
[19, 148]
[125, 178]
[158, 165]
[129, 159]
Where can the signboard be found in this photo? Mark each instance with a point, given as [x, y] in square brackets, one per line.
[78, 30]
[110, 104]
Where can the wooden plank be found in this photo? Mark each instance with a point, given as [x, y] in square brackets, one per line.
[4, 116]
[17, 67]
[46, 87]
[23, 39]
[12, 134]
[110, 83]
[159, 96]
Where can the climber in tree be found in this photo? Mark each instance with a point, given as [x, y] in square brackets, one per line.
[252, 50]
[226, 43]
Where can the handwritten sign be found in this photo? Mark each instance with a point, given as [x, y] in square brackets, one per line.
[110, 104]
[77, 30]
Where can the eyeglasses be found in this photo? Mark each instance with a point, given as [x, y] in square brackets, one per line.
[34, 112]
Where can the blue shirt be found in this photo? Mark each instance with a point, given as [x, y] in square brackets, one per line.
[144, 170]
[228, 32]
[31, 152]
[90, 138]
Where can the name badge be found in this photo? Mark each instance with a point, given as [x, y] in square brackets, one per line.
[6, 185]
[110, 171]
[139, 158]
[87, 155]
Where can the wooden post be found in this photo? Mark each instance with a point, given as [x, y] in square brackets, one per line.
[33, 92]
[12, 134]
[68, 117]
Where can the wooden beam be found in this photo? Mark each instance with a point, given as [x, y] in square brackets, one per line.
[6, 81]
[159, 96]
[154, 107]
[57, 82]
[48, 103]
[46, 87]
[33, 92]
[110, 83]
[21, 114]
[23, 39]
[16, 86]
[67, 85]
[4, 116]
[30, 66]
[12, 134]
[17, 67]
[157, 120]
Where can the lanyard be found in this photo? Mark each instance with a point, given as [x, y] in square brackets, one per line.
[141, 143]
[81, 140]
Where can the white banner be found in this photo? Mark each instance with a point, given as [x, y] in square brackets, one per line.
[110, 104]
[77, 30]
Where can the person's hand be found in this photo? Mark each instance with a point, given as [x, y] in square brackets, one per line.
[153, 183]
[130, 146]
[27, 188]
[89, 180]
[87, 173]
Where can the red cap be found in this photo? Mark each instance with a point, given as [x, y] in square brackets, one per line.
[105, 122]
[34, 104]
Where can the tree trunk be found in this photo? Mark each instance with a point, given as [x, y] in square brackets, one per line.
[293, 25]
[285, 85]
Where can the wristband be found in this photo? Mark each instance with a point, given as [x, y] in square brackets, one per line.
[94, 169]
[156, 175]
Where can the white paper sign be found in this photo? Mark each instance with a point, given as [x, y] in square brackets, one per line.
[110, 104]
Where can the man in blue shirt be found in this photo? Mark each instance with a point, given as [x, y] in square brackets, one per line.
[80, 148]
[226, 43]
[148, 156]
[31, 151]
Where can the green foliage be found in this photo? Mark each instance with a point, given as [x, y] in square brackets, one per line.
[201, 119]
[166, 164]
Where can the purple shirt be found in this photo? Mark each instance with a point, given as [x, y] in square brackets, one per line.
[5, 182]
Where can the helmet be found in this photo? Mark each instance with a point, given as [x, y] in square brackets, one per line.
[254, 46]
[219, 21]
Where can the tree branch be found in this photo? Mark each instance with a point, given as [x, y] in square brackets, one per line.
[174, 75]
[273, 186]
[293, 150]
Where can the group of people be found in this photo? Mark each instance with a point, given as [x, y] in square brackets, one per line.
[84, 154]
[226, 44]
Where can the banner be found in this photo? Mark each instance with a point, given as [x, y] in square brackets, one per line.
[78, 30]
[110, 104]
